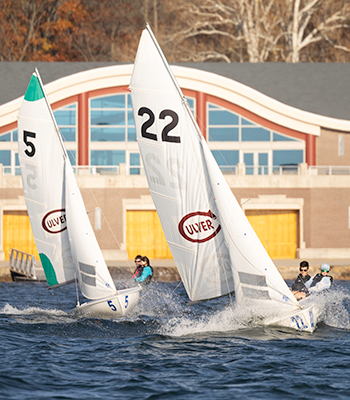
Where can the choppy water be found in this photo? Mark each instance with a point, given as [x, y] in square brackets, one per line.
[166, 350]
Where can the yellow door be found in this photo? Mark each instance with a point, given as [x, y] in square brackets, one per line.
[18, 233]
[144, 235]
[277, 230]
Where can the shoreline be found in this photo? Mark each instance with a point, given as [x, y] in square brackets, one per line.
[165, 270]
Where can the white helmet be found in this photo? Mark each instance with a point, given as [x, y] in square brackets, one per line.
[325, 267]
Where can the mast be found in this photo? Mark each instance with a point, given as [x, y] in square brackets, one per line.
[51, 113]
[178, 89]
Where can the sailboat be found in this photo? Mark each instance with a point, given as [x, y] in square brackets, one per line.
[67, 246]
[215, 248]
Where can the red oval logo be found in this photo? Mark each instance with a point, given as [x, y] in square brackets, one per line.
[55, 221]
[199, 226]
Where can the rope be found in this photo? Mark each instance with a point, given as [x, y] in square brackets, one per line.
[176, 288]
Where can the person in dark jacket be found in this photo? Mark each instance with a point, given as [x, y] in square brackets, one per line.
[138, 266]
[298, 288]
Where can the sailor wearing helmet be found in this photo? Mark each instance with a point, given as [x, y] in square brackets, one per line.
[320, 281]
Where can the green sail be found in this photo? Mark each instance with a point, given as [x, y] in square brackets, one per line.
[34, 91]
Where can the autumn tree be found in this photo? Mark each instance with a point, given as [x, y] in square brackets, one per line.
[188, 30]
[24, 29]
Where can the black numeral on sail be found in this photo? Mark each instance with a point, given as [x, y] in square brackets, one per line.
[26, 135]
[170, 126]
[165, 132]
[147, 124]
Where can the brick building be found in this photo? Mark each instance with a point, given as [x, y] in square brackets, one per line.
[279, 132]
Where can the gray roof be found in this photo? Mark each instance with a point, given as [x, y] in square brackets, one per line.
[320, 88]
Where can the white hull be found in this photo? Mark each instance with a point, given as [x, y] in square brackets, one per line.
[305, 319]
[112, 307]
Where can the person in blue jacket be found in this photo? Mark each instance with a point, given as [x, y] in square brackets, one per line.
[145, 273]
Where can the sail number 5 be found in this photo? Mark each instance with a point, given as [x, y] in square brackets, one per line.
[26, 135]
[30, 152]
[165, 132]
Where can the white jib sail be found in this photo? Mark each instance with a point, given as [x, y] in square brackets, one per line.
[42, 167]
[178, 182]
[95, 281]
[256, 276]
[185, 180]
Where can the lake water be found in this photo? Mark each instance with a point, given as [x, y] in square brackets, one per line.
[166, 350]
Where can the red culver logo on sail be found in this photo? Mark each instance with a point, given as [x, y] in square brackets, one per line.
[199, 226]
[55, 221]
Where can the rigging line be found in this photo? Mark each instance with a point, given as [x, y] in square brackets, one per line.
[228, 287]
[76, 289]
[177, 87]
[51, 113]
[109, 227]
[176, 288]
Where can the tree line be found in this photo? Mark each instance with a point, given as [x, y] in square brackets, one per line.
[187, 30]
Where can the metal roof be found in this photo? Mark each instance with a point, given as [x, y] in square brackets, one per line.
[320, 88]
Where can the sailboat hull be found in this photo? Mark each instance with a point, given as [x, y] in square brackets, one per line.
[111, 307]
[304, 319]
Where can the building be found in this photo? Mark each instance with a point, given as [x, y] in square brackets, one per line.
[279, 132]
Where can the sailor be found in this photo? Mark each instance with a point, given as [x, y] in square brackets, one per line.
[138, 266]
[320, 281]
[299, 289]
[145, 273]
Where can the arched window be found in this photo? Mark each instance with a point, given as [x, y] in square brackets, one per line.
[235, 139]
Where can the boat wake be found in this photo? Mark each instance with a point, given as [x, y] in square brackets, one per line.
[225, 317]
[34, 315]
[162, 310]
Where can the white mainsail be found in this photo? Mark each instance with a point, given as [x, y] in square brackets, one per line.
[209, 236]
[171, 154]
[42, 166]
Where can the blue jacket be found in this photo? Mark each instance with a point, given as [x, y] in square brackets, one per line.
[146, 273]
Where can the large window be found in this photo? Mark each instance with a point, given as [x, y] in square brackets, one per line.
[234, 139]
[113, 134]
[111, 119]
[66, 118]
[9, 152]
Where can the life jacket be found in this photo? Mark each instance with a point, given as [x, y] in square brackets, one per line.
[149, 277]
[299, 283]
[136, 272]
[318, 278]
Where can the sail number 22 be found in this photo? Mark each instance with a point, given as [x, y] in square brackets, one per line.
[165, 132]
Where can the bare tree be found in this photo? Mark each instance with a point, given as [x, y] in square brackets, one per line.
[255, 30]
[314, 21]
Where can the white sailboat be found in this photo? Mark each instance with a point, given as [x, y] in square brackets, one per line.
[62, 231]
[213, 244]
